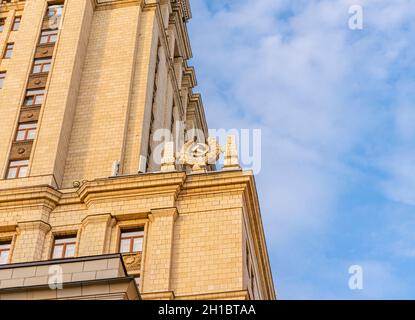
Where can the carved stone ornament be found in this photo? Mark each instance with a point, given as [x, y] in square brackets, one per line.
[231, 159]
[132, 262]
[168, 161]
[199, 155]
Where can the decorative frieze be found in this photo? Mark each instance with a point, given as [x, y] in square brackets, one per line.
[21, 150]
[132, 262]
[37, 81]
[29, 115]
[44, 51]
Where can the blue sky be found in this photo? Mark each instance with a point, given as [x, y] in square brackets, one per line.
[337, 112]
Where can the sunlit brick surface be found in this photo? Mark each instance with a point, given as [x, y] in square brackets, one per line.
[203, 234]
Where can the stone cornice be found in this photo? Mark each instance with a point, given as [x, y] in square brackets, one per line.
[33, 225]
[182, 33]
[164, 212]
[131, 186]
[96, 218]
[184, 7]
[115, 3]
[14, 5]
[196, 111]
[30, 196]
[214, 182]
[189, 77]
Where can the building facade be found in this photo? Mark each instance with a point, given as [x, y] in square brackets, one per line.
[87, 209]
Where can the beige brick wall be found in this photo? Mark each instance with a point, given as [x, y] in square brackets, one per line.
[97, 110]
[100, 122]
[194, 243]
[58, 110]
[207, 254]
[93, 235]
[158, 264]
[142, 93]
[29, 242]
[18, 68]
[99, 92]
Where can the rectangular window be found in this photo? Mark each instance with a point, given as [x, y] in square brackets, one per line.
[2, 78]
[34, 97]
[9, 51]
[54, 15]
[132, 240]
[2, 23]
[41, 65]
[16, 23]
[64, 247]
[5, 252]
[26, 131]
[55, 10]
[48, 36]
[18, 169]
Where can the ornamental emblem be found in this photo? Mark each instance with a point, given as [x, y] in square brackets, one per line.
[199, 155]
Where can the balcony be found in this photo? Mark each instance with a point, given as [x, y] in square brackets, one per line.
[85, 278]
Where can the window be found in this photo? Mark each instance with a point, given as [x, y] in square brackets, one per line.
[64, 247]
[55, 10]
[34, 97]
[5, 252]
[2, 78]
[53, 16]
[41, 65]
[9, 51]
[26, 131]
[16, 23]
[2, 23]
[18, 169]
[48, 36]
[132, 241]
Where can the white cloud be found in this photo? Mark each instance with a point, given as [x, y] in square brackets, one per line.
[294, 69]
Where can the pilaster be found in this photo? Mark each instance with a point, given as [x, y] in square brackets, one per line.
[94, 235]
[157, 267]
[30, 241]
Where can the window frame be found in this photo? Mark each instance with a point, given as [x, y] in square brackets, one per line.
[26, 131]
[2, 79]
[8, 52]
[18, 169]
[41, 65]
[2, 24]
[131, 239]
[59, 6]
[8, 250]
[34, 97]
[53, 15]
[16, 23]
[50, 34]
[64, 246]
